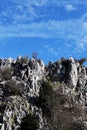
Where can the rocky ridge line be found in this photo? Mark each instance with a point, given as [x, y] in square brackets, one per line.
[20, 82]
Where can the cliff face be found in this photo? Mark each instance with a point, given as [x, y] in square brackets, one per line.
[20, 83]
[19, 87]
[71, 73]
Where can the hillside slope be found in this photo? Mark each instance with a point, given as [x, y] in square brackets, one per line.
[38, 97]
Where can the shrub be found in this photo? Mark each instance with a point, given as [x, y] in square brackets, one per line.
[2, 109]
[30, 122]
[58, 116]
[63, 118]
[76, 126]
[23, 60]
[11, 88]
[6, 73]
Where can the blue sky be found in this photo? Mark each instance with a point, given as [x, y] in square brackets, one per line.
[52, 28]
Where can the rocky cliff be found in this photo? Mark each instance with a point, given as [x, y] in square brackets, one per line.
[20, 83]
[71, 73]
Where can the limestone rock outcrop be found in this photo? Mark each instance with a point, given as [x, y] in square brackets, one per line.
[20, 82]
[19, 87]
[73, 74]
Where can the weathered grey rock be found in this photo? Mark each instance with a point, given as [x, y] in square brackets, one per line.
[73, 74]
[27, 75]
[16, 109]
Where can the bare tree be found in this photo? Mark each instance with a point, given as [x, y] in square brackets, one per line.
[81, 61]
[34, 55]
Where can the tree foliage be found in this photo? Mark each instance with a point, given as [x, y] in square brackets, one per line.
[55, 106]
[46, 98]
[30, 122]
[12, 88]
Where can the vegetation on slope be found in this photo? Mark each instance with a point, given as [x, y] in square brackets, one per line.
[30, 122]
[56, 110]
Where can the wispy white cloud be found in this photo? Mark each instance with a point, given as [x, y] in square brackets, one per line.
[70, 7]
[33, 2]
[51, 29]
[3, 41]
[82, 43]
[46, 46]
[25, 11]
[51, 50]
[71, 30]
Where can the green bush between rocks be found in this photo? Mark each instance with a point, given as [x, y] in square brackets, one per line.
[30, 122]
[46, 99]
